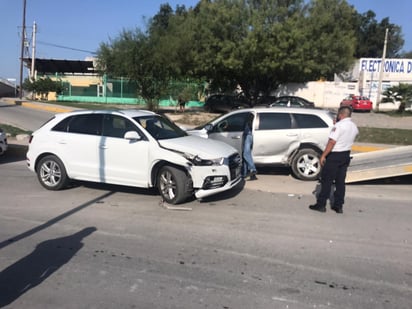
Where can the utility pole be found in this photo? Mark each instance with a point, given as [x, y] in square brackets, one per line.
[378, 98]
[33, 54]
[23, 40]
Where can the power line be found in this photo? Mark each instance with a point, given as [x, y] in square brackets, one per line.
[67, 47]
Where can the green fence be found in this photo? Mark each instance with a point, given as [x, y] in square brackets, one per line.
[121, 91]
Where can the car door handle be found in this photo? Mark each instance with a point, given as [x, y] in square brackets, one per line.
[235, 137]
[63, 142]
[291, 134]
[103, 146]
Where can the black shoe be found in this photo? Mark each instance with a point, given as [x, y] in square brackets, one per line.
[338, 210]
[317, 208]
[253, 176]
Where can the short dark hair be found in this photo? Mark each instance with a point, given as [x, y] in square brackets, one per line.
[345, 110]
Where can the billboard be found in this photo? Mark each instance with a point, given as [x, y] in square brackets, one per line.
[397, 70]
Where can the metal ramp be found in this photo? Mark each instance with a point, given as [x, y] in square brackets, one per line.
[380, 164]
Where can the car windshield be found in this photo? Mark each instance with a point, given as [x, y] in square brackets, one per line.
[160, 127]
[205, 124]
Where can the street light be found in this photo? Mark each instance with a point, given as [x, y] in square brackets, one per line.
[23, 39]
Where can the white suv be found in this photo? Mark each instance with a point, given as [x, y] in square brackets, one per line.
[285, 136]
[134, 148]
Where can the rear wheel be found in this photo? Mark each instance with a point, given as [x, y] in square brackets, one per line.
[52, 173]
[173, 185]
[306, 164]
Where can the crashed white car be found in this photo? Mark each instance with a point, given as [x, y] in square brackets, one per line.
[3, 142]
[134, 148]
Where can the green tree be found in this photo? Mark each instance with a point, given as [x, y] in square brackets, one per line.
[262, 44]
[371, 36]
[402, 93]
[330, 32]
[257, 44]
[42, 86]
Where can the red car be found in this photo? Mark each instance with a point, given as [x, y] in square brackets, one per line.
[358, 103]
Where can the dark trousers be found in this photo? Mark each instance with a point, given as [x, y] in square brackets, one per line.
[334, 170]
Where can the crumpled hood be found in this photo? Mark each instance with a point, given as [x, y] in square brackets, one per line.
[195, 145]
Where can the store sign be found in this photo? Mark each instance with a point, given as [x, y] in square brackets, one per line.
[397, 69]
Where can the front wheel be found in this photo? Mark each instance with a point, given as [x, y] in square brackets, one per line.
[52, 173]
[306, 164]
[173, 185]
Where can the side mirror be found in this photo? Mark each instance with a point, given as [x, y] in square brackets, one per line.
[132, 135]
[208, 127]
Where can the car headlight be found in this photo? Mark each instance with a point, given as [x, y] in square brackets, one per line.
[196, 160]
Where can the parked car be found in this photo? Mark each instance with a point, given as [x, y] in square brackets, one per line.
[3, 142]
[285, 101]
[133, 148]
[357, 103]
[222, 103]
[292, 101]
[285, 136]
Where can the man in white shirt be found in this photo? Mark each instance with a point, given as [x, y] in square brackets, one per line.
[335, 160]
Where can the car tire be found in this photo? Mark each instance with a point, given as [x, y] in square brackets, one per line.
[51, 173]
[306, 164]
[172, 184]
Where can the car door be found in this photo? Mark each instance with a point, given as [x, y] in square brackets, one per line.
[274, 137]
[76, 143]
[230, 129]
[123, 161]
[313, 129]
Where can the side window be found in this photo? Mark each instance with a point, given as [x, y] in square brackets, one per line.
[282, 102]
[274, 121]
[234, 123]
[117, 126]
[62, 126]
[296, 103]
[306, 121]
[86, 124]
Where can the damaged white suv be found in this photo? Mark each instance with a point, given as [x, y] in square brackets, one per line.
[134, 148]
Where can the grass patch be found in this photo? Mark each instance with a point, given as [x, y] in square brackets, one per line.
[384, 136]
[95, 106]
[13, 131]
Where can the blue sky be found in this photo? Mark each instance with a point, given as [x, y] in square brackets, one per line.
[84, 24]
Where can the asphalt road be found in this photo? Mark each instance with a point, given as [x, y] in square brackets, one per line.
[21, 117]
[98, 246]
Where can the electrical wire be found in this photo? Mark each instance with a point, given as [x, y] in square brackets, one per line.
[66, 47]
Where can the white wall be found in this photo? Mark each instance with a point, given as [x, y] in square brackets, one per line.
[323, 94]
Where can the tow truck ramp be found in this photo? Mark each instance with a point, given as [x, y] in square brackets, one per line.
[379, 164]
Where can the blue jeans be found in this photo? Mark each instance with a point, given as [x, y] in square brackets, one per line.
[248, 164]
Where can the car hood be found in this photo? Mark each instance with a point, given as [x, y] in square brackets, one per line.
[195, 145]
[198, 132]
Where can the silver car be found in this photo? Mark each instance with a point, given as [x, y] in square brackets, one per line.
[282, 136]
